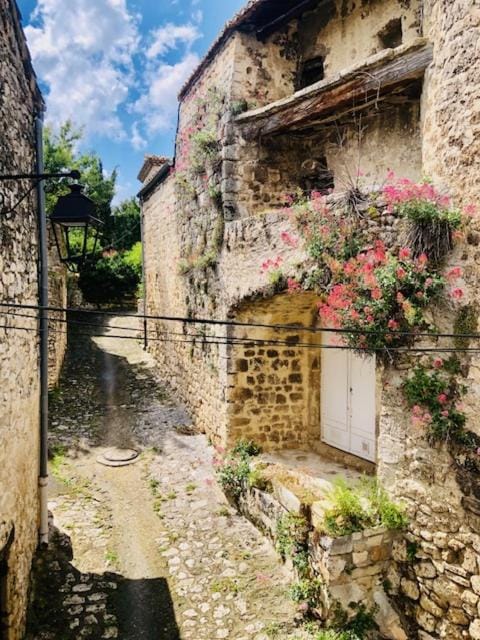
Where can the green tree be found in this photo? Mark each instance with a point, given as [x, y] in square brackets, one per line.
[126, 224]
[62, 154]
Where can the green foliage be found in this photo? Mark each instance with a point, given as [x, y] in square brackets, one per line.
[428, 212]
[433, 395]
[358, 625]
[62, 154]
[126, 224]
[238, 107]
[309, 592]
[133, 258]
[246, 449]
[257, 479]
[381, 509]
[347, 513]
[233, 475]
[205, 148]
[412, 550]
[331, 634]
[110, 279]
[359, 507]
[291, 534]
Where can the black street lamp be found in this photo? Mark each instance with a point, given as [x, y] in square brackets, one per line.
[75, 227]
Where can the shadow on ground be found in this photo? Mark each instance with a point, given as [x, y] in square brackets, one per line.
[67, 604]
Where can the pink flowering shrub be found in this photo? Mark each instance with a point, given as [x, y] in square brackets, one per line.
[376, 296]
[434, 223]
[434, 395]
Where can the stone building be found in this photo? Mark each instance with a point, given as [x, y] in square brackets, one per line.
[307, 96]
[20, 103]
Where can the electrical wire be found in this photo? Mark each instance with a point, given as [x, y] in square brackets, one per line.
[246, 342]
[234, 323]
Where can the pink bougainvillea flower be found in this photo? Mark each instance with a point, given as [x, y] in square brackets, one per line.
[457, 294]
[393, 324]
[438, 363]
[422, 259]
[442, 398]
[376, 293]
[293, 285]
[289, 239]
[445, 414]
[400, 298]
[455, 273]
[401, 273]
[404, 253]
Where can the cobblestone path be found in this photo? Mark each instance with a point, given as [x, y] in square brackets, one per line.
[157, 551]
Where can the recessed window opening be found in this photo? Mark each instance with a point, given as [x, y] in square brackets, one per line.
[391, 36]
[312, 71]
[316, 176]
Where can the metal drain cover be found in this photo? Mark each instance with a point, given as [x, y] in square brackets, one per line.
[118, 457]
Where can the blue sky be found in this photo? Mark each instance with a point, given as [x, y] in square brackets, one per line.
[114, 67]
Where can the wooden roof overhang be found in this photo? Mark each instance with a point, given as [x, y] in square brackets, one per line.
[378, 78]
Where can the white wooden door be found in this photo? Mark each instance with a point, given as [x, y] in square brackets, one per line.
[348, 400]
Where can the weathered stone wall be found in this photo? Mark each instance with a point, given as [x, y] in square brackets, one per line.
[438, 571]
[19, 383]
[274, 387]
[347, 31]
[354, 569]
[362, 151]
[436, 574]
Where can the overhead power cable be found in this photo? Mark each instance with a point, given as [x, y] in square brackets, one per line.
[236, 323]
[211, 340]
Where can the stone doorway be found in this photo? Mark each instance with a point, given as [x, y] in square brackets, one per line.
[273, 376]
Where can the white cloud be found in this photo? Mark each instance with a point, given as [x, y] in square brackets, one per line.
[137, 140]
[170, 36]
[158, 105]
[82, 50]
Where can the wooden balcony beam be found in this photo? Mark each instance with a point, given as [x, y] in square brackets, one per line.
[380, 75]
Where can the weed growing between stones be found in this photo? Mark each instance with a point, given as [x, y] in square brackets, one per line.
[356, 626]
[363, 506]
[234, 471]
[292, 541]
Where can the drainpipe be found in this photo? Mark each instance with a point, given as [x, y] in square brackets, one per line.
[43, 329]
[144, 280]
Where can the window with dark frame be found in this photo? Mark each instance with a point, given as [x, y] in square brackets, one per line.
[312, 71]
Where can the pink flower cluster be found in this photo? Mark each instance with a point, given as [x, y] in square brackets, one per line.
[400, 190]
[271, 264]
[289, 239]
[420, 416]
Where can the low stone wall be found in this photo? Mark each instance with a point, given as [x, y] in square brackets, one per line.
[354, 569]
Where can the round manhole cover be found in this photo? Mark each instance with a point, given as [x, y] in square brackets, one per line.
[118, 457]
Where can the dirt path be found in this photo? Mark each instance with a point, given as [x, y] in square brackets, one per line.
[184, 564]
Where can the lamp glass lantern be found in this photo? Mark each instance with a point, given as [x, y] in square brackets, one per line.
[76, 228]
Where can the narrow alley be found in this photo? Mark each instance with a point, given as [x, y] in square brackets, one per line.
[157, 551]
